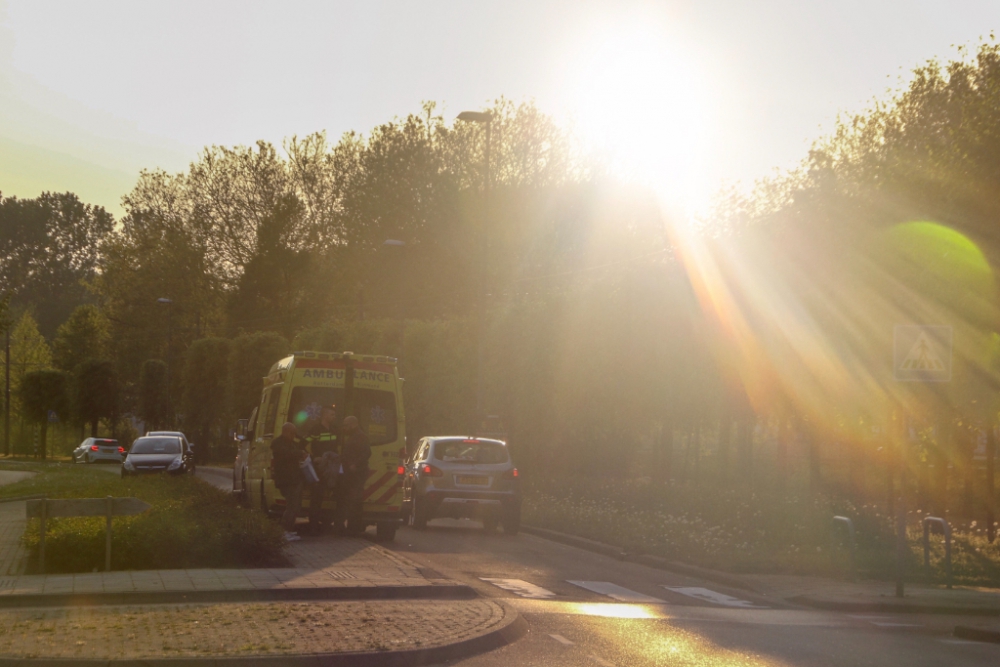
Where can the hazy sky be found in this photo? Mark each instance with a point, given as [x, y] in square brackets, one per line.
[692, 92]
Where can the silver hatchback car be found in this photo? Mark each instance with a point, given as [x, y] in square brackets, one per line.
[457, 476]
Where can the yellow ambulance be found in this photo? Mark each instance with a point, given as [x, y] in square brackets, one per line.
[366, 386]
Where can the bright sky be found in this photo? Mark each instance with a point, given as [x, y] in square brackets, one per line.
[689, 93]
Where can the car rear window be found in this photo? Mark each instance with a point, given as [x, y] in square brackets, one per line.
[470, 451]
[106, 442]
[156, 446]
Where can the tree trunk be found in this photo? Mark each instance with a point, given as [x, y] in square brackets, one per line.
[990, 495]
[93, 428]
[725, 440]
[815, 478]
[45, 430]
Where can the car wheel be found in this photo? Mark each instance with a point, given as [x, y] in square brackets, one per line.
[512, 521]
[244, 491]
[385, 531]
[490, 523]
[419, 516]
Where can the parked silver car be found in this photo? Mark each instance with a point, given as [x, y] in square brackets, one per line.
[456, 476]
[98, 450]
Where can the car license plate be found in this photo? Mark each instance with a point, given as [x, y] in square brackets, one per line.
[472, 479]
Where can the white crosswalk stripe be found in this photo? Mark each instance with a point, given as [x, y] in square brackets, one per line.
[711, 596]
[615, 591]
[523, 588]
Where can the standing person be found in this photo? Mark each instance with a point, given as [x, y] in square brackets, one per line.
[322, 438]
[354, 454]
[287, 452]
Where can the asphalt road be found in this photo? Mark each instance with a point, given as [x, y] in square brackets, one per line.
[625, 614]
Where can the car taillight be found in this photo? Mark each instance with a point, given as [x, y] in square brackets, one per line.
[95, 448]
[431, 471]
[511, 474]
[400, 471]
[121, 450]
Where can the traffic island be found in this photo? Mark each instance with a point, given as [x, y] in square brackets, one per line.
[275, 633]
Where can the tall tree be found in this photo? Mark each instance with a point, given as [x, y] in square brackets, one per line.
[96, 392]
[28, 352]
[48, 247]
[204, 399]
[85, 335]
[250, 359]
[153, 406]
[42, 393]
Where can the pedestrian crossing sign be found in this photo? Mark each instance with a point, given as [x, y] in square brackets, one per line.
[922, 353]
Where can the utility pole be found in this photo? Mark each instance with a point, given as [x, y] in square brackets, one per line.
[485, 118]
[169, 304]
[6, 391]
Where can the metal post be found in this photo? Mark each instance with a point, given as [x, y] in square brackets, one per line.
[900, 512]
[107, 537]
[852, 539]
[946, 530]
[6, 402]
[484, 280]
[41, 537]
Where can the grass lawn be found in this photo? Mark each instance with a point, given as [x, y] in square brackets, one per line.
[190, 524]
[744, 531]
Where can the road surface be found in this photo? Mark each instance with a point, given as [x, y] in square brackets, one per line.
[588, 609]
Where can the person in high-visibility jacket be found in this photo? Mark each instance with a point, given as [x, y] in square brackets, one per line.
[322, 438]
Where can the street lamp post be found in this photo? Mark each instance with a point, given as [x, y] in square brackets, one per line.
[483, 118]
[395, 243]
[169, 304]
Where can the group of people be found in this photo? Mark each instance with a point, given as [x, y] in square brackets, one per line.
[324, 461]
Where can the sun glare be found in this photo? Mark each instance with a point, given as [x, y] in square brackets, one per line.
[640, 102]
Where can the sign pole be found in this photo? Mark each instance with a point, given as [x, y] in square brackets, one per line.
[41, 538]
[109, 501]
[901, 515]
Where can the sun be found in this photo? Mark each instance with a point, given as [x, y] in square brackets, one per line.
[641, 103]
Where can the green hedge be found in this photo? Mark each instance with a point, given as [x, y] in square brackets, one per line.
[190, 525]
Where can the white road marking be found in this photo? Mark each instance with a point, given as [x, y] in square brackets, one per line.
[522, 588]
[712, 596]
[883, 624]
[868, 617]
[615, 591]
[601, 661]
[958, 641]
[562, 640]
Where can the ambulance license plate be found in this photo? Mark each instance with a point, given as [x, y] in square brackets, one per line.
[472, 479]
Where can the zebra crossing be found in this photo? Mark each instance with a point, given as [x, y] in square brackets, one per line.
[618, 593]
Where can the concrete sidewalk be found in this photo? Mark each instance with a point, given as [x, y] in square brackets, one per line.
[875, 596]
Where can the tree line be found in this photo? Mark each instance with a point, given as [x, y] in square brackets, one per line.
[613, 341]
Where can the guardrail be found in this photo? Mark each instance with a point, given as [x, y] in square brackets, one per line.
[946, 529]
[837, 520]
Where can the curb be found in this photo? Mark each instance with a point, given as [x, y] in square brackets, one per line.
[219, 472]
[510, 630]
[650, 561]
[15, 499]
[977, 634]
[341, 593]
[894, 607]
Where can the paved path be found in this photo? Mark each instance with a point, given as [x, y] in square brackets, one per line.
[13, 555]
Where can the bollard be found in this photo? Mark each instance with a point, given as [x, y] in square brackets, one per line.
[850, 536]
[946, 529]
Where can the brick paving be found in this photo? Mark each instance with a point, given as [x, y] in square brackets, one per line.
[233, 629]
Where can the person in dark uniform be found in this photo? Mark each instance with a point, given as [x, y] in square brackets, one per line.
[354, 454]
[287, 452]
[322, 438]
